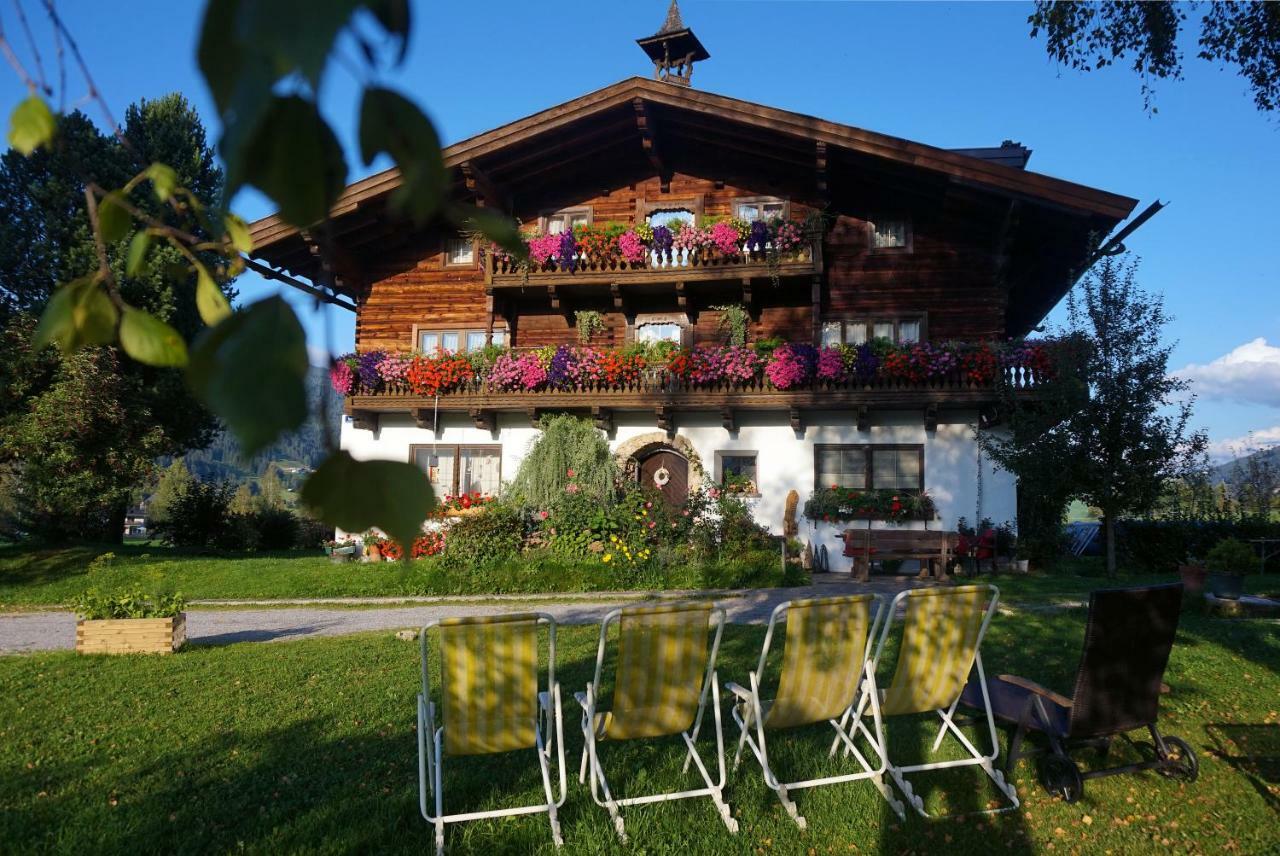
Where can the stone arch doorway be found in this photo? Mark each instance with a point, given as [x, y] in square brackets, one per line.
[665, 470]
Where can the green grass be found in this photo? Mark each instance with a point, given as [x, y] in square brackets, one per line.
[39, 577]
[309, 747]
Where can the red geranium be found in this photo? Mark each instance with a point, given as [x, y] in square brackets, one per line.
[442, 373]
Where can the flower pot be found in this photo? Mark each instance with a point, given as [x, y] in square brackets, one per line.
[1193, 577]
[131, 635]
[1229, 586]
[373, 553]
[1021, 566]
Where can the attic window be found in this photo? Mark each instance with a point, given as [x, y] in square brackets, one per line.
[891, 234]
[764, 208]
[567, 219]
[459, 252]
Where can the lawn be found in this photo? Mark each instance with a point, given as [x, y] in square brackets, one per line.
[309, 747]
[37, 577]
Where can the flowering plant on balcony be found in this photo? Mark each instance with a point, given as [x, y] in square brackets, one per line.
[791, 365]
[367, 370]
[543, 248]
[442, 373]
[518, 373]
[662, 241]
[692, 238]
[632, 246]
[757, 236]
[978, 364]
[831, 365]
[787, 236]
[837, 504]
[341, 376]
[621, 368]
[708, 365]
[1028, 355]
[568, 248]
[726, 238]
[393, 367]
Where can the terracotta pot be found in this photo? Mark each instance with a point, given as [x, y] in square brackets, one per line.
[1193, 577]
[373, 553]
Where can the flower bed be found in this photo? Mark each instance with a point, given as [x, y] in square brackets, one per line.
[782, 367]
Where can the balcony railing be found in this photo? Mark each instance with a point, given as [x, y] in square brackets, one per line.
[675, 265]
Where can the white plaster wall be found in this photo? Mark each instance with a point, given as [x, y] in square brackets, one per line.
[784, 459]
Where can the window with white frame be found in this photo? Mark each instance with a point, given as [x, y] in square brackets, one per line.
[459, 252]
[457, 470]
[659, 328]
[736, 471]
[559, 222]
[866, 467]
[764, 208]
[859, 331]
[668, 216]
[890, 233]
[456, 341]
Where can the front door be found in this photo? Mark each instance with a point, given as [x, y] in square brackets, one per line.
[668, 471]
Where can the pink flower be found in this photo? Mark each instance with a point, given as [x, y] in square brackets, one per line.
[652, 524]
[542, 514]
[632, 248]
[648, 505]
[725, 237]
[570, 472]
[571, 488]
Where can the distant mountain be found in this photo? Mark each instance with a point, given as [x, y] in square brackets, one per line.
[1228, 472]
[295, 454]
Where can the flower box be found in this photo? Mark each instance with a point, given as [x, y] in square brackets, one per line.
[131, 635]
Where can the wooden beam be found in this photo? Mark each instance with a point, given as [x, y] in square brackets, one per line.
[747, 295]
[615, 291]
[797, 420]
[931, 417]
[478, 181]
[815, 297]
[728, 419]
[535, 416]
[820, 169]
[484, 419]
[648, 129]
[425, 417]
[665, 418]
[364, 420]
[864, 418]
[603, 418]
[682, 299]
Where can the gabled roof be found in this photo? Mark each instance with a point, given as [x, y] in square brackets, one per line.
[771, 128]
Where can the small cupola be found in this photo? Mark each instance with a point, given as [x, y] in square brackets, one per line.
[674, 49]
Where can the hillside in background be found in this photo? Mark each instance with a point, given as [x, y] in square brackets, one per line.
[294, 455]
[1228, 472]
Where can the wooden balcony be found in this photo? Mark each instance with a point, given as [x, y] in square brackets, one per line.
[662, 395]
[700, 265]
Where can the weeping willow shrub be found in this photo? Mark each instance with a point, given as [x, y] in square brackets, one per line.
[567, 444]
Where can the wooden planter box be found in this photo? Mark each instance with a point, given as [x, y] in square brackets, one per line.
[131, 635]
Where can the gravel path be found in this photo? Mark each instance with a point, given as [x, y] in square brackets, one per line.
[41, 631]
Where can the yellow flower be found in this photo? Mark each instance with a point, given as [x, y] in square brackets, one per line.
[608, 557]
[613, 538]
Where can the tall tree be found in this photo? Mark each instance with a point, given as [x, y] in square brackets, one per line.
[1092, 35]
[1113, 429]
[45, 240]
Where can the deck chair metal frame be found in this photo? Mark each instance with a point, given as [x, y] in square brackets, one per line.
[431, 736]
[1128, 638]
[847, 726]
[590, 765]
[946, 712]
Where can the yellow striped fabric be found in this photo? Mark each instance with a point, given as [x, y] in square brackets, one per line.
[662, 660]
[822, 660]
[490, 683]
[939, 644]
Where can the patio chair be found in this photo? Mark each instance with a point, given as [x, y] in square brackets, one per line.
[823, 672]
[941, 641]
[491, 704]
[665, 674]
[1127, 642]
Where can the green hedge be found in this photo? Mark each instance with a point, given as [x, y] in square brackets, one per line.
[1159, 546]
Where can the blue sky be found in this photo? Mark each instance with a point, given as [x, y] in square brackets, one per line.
[945, 74]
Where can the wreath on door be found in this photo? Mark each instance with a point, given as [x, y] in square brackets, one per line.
[661, 476]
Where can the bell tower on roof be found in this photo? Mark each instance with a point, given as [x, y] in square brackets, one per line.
[674, 49]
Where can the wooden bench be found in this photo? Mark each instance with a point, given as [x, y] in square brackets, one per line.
[932, 549]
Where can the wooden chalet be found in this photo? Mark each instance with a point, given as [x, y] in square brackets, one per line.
[919, 244]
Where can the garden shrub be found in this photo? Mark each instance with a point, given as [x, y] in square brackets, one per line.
[1159, 546]
[570, 451]
[200, 516]
[494, 535]
[92, 605]
[1231, 556]
[275, 529]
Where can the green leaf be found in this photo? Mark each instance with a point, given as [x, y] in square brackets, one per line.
[211, 303]
[391, 123]
[296, 35]
[151, 341]
[238, 233]
[164, 181]
[113, 220]
[79, 314]
[294, 158]
[136, 260]
[395, 17]
[31, 125]
[250, 371]
[356, 495]
[499, 228]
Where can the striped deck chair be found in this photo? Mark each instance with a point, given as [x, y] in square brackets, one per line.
[941, 637]
[665, 674]
[491, 704]
[824, 672]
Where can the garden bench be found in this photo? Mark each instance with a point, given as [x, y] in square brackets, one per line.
[932, 549]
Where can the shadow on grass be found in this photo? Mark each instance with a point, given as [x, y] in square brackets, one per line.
[1254, 752]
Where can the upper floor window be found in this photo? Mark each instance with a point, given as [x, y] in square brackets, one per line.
[566, 220]
[890, 234]
[759, 208]
[869, 467]
[456, 341]
[668, 216]
[660, 331]
[858, 331]
[459, 251]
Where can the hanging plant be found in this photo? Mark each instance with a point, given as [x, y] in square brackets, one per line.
[589, 322]
[733, 322]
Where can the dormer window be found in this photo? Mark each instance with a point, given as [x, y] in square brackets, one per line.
[558, 222]
[459, 252]
[764, 208]
[890, 234]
